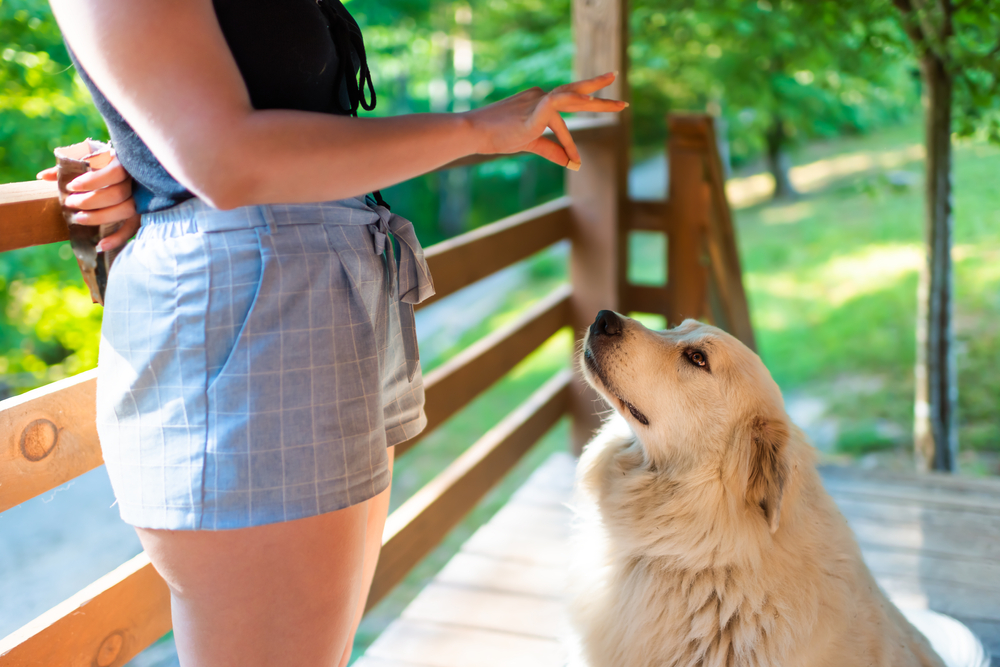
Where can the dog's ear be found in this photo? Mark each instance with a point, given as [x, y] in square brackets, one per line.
[766, 466]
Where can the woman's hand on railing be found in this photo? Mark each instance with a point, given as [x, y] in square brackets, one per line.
[517, 123]
[102, 197]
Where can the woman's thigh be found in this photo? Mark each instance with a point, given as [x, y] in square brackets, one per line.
[279, 594]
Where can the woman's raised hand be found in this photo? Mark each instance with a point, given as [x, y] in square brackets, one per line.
[516, 124]
[102, 197]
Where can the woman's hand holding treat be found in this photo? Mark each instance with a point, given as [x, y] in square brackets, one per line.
[102, 197]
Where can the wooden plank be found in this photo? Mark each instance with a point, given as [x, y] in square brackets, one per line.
[371, 661]
[461, 261]
[723, 253]
[984, 487]
[515, 546]
[925, 567]
[964, 601]
[437, 645]
[47, 437]
[689, 196]
[453, 385]
[527, 615]
[937, 528]
[908, 495]
[479, 572]
[649, 215]
[958, 542]
[30, 215]
[647, 299]
[420, 523]
[599, 192]
[105, 624]
[533, 519]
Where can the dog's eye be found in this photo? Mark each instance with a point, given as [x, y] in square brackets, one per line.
[697, 357]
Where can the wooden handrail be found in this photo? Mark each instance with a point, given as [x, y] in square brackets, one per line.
[456, 383]
[462, 260]
[420, 523]
[120, 614]
[47, 437]
[107, 623]
[30, 213]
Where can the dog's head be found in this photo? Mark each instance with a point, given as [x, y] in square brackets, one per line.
[696, 398]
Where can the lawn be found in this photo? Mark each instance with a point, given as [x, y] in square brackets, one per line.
[831, 278]
[832, 281]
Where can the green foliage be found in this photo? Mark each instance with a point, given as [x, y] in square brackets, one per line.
[48, 327]
[42, 105]
[814, 68]
[965, 36]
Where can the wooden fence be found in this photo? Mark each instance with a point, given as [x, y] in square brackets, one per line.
[48, 436]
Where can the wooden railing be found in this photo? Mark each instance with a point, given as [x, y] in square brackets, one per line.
[48, 436]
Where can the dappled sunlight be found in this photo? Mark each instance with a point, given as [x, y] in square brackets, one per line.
[870, 270]
[750, 190]
[817, 175]
[787, 214]
[809, 295]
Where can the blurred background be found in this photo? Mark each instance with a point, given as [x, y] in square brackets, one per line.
[821, 110]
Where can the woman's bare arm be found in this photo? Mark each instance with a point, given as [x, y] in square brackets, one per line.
[167, 68]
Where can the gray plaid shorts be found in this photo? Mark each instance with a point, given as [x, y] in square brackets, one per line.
[256, 363]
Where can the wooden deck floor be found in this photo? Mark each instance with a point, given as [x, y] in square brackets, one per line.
[931, 542]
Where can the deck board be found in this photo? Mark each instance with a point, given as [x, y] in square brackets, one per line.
[930, 541]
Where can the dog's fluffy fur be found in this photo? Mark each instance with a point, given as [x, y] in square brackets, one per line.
[704, 535]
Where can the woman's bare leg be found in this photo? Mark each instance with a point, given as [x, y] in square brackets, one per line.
[280, 594]
[378, 508]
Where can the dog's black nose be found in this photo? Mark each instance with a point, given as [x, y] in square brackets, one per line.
[607, 324]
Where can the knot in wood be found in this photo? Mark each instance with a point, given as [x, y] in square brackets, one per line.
[110, 649]
[38, 439]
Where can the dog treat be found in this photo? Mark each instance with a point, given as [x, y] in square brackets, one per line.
[72, 161]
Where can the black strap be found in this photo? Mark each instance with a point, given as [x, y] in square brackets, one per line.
[350, 45]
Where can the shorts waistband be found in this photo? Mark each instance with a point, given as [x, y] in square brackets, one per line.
[198, 216]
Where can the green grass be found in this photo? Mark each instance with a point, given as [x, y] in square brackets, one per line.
[832, 279]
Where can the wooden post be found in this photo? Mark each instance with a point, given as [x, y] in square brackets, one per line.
[688, 194]
[598, 192]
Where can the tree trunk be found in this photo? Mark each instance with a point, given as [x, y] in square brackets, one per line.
[778, 161]
[455, 200]
[935, 413]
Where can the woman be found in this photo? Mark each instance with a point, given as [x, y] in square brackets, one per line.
[257, 356]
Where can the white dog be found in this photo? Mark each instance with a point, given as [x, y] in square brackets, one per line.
[705, 536]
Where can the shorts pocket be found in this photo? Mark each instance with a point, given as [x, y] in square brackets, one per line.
[236, 274]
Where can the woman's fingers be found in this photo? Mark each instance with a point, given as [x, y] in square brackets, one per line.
[111, 174]
[106, 216]
[49, 174]
[591, 85]
[558, 127]
[103, 198]
[120, 236]
[569, 102]
[549, 150]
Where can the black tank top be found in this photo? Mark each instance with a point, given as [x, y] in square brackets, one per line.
[293, 54]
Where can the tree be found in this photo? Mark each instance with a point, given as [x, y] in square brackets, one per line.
[778, 70]
[958, 47]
